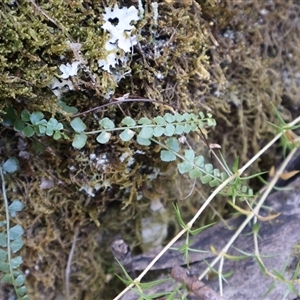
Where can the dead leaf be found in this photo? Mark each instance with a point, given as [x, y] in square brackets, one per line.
[271, 217]
[242, 211]
[272, 171]
[288, 175]
[291, 136]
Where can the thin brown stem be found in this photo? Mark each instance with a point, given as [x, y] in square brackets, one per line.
[68, 268]
[117, 102]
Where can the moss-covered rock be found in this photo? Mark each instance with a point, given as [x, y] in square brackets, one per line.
[233, 59]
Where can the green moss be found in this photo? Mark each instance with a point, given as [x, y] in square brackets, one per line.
[35, 37]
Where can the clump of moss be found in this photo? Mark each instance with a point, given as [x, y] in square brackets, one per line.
[36, 37]
[256, 56]
[172, 63]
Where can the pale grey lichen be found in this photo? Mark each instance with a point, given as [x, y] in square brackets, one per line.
[118, 22]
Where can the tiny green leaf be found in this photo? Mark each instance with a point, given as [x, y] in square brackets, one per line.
[167, 156]
[103, 137]
[3, 255]
[205, 179]
[66, 108]
[169, 118]
[158, 131]
[142, 141]
[11, 165]
[209, 168]
[211, 122]
[59, 126]
[173, 144]
[159, 120]
[3, 239]
[178, 117]
[15, 206]
[195, 173]
[57, 135]
[217, 173]
[35, 117]
[106, 123]
[214, 183]
[193, 126]
[7, 278]
[25, 116]
[28, 131]
[189, 155]
[78, 125]
[19, 125]
[41, 130]
[16, 262]
[127, 135]
[199, 161]
[16, 231]
[128, 121]
[4, 267]
[146, 133]
[22, 291]
[187, 128]
[16, 244]
[49, 131]
[42, 122]
[20, 280]
[10, 117]
[235, 165]
[52, 123]
[194, 117]
[187, 116]
[184, 167]
[200, 124]
[170, 130]
[79, 140]
[144, 121]
[179, 129]
[224, 176]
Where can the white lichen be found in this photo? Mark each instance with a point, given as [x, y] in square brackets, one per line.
[130, 161]
[69, 69]
[89, 190]
[61, 86]
[155, 13]
[118, 23]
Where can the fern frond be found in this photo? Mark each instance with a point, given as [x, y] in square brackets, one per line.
[11, 240]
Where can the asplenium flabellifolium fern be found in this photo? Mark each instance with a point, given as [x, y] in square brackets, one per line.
[169, 126]
[144, 129]
[11, 237]
[34, 123]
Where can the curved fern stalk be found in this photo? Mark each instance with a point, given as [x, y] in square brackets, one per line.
[144, 129]
[192, 164]
[147, 130]
[34, 123]
[11, 240]
[196, 167]
[168, 125]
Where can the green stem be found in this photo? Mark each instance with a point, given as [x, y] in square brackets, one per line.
[184, 159]
[7, 230]
[151, 125]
